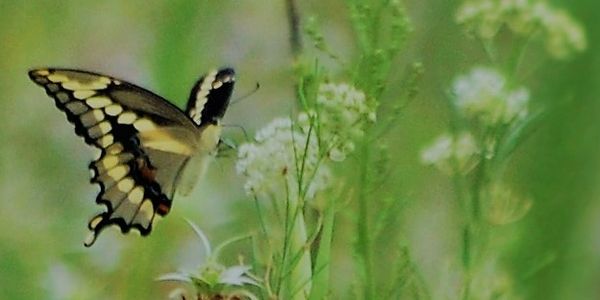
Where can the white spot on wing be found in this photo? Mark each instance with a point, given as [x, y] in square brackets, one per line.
[113, 109]
[43, 72]
[144, 125]
[144, 214]
[92, 117]
[57, 77]
[75, 85]
[130, 204]
[118, 172]
[83, 94]
[126, 118]
[62, 97]
[99, 130]
[125, 185]
[205, 87]
[76, 107]
[106, 140]
[98, 101]
[114, 149]
[95, 221]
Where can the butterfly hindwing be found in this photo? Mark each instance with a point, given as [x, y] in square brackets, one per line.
[144, 140]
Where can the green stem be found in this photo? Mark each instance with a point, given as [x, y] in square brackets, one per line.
[321, 275]
[297, 285]
[517, 55]
[476, 194]
[362, 225]
[490, 51]
[281, 284]
[466, 259]
[465, 206]
[472, 228]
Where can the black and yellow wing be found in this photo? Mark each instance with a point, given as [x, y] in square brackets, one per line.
[145, 141]
[210, 96]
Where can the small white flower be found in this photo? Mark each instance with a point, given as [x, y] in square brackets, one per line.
[273, 163]
[287, 154]
[483, 18]
[439, 151]
[484, 95]
[516, 104]
[452, 155]
[236, 275]
[343, 113]
[564, 35]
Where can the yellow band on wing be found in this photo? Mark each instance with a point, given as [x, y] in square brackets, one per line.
[161, 140]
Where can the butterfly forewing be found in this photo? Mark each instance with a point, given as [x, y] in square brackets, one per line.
[144, 140]
[210, 96]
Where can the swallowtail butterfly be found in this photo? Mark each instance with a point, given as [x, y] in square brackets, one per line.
[148, 147]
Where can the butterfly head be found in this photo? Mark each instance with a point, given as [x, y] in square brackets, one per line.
[210, 97]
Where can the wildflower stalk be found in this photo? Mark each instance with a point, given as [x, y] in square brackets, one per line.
[475, 231]
[320, 287]
[486, 102]
[296, 257]
[472, 228]
[380, 29]
[296, 260]
[468, 203]
[517, 55]
[362, 224]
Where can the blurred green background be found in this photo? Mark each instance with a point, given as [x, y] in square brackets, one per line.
[165, 46]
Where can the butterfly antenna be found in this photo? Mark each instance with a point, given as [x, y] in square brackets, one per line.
[225, 148]
[256, 88]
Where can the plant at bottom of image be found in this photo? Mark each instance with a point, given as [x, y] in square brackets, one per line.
[213, 280]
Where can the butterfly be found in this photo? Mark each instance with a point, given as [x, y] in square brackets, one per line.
[148, 147]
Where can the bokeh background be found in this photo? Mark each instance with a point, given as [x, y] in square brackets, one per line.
[46, 201]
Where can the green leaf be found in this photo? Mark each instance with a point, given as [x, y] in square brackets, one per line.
[320, 281]
[517, 134]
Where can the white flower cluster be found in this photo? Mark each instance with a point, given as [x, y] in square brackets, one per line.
[343, 113]
[562, 35]
[286, 154]
[483, 94]
[280, 158]
[452, 154]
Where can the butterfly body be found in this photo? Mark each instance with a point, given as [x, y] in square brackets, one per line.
[148, 145]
